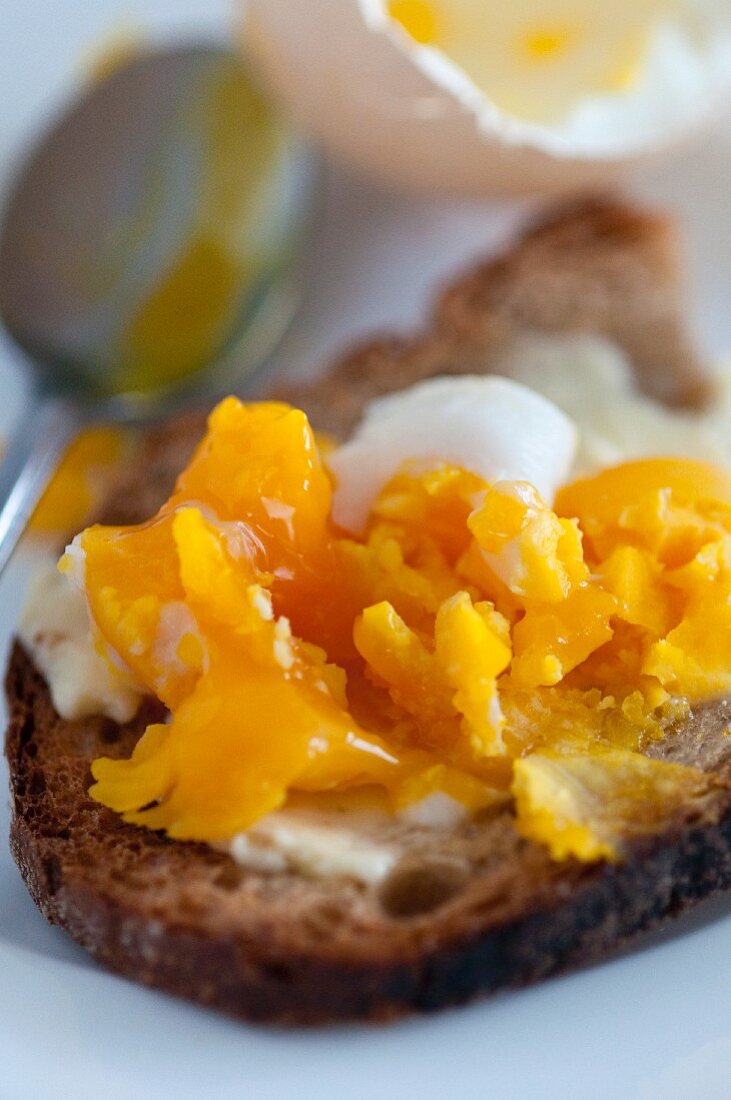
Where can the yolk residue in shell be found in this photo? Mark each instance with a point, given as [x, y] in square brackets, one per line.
[474, 641]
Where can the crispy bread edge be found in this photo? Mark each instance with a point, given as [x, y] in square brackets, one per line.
[613, 903]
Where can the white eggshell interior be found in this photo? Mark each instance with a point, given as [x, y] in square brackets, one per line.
[405, 113]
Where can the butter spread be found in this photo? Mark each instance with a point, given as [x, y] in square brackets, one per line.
[318, 849]
[591, 380]
[315, 845]
[55, 628]
[363, 844]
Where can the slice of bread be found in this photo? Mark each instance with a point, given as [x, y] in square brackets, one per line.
[465, 910]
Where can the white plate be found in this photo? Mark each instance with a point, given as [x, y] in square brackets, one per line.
[652, 1024]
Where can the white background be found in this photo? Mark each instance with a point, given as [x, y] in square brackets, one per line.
[652, 1025]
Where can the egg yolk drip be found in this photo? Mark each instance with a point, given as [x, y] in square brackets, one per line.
[474, 641]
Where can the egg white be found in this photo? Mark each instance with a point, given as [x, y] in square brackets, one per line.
[494, 427]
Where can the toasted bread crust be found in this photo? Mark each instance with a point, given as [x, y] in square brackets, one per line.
[473, 911]
[97, 878]
[597, 267]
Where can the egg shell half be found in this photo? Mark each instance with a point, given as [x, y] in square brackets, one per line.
[377, 100]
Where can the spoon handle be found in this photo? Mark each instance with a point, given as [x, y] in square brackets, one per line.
[43, 435]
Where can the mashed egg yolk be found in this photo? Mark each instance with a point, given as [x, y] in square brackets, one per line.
[473, 641]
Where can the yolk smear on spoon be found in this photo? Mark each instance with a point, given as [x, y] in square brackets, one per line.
[190, 306]
[474, 640]
[80, 481]
[202, 291]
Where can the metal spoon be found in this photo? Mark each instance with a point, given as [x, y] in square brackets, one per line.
[147, 251]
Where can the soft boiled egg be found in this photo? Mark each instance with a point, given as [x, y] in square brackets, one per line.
[480, 97]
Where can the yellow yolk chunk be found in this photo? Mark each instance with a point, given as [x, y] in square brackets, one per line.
[536, 554]
[620, 498]
[474, 641]
[473, 647]
[589, 806]
[552, 640]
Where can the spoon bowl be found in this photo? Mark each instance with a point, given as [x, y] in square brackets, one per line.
[147, 252]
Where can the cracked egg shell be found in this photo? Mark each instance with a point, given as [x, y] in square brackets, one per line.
[399, 91]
